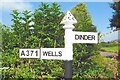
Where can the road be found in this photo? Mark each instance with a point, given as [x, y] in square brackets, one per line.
[107, 54]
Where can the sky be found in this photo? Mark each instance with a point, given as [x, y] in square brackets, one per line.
[99, 11]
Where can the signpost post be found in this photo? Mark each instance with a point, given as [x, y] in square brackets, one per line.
[68, 22]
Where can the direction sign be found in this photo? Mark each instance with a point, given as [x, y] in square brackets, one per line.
[29, 53]
[54, 53]
[84, 37]
[70, 38]
[45, 53]
[63, 53]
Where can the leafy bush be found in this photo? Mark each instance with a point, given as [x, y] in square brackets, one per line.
[50, 34]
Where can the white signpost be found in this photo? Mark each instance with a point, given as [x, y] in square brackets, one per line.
[70, 38]
[68, 22]
[63, 53]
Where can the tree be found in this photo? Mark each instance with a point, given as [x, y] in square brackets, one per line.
[84, 21]
[83, 65]
[47, 23]
[115, 25]
[0, 36]
[47, 33]
[115, 21]
[20, 28]
[81, 52]
[50, 33]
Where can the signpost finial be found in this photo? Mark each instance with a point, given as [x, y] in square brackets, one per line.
[68, 19]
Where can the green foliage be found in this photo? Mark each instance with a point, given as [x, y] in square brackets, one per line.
[115, 21]
[84, 21]
[47, 33]
[83, 66]
[109, 47]
[47, 28]
[47, 25]
[0, 35]
[106, 66]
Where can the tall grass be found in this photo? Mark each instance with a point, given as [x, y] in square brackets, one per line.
[109, 47]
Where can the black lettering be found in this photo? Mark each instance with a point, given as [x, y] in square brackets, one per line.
[22, 53]
[81, 37]
[36, 53]
[50, 53]
[93, 37]
[56, 53]
[32, 52]
[60, 53]
[89, 37]
[85, 37]
[45, 53]
[76, 37]
[27, 53]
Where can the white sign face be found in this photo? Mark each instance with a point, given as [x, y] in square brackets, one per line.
[29, 53]
[54, 53]
[45, 53]
[85, 37]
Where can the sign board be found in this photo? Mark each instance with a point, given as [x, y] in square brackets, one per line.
[84, 37]
[29, 53]
[45, 53]
[54, 53]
